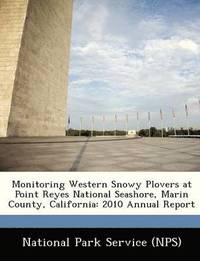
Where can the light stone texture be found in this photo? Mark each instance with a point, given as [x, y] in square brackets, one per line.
[12, 17]
[34, 61]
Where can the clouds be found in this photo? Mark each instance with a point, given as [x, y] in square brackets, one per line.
[173, 45]
[125, 55]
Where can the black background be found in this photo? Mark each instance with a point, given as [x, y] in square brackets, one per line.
[11, 239]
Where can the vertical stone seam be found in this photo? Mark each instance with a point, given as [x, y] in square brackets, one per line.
[16, 70]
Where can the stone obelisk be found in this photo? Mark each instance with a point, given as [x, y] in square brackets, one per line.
[34, 63]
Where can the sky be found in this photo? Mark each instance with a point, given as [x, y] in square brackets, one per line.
[134, 55]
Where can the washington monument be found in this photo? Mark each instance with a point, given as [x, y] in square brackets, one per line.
[34, 62]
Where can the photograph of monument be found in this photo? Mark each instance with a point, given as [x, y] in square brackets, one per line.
[109, 85]
[35, 45]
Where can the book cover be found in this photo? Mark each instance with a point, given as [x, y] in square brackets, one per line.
[99, 125]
